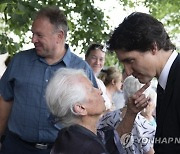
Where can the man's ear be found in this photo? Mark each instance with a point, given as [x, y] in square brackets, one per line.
[61, 35]
[154, 48]
[80, 109]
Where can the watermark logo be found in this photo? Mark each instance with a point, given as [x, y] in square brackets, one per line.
[127, 140]
[167, 140]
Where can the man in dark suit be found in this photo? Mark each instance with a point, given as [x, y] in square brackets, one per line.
[144, 47]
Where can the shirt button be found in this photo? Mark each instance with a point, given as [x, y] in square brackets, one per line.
[46, 80]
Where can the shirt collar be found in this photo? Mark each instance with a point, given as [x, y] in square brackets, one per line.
[34, 56]
[165, 72]
[65, 59]
[67, 56]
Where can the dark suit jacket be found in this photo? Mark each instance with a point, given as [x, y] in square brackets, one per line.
[167, 138]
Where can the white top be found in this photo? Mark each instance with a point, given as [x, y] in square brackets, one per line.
[118, 99]
[101, 86]
[165, 72]
[3, 58]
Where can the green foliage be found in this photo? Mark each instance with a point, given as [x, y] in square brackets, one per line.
[168, 11]
[16, 18]
[86, 23]
[7, 44]
[112, 60]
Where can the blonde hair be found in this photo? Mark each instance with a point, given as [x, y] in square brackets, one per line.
[109, 74]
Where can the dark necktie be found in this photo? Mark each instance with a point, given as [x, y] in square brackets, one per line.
[160, 93]
[160, 96]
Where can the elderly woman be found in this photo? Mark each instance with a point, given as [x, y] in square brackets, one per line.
[144, 128]
[72, 98]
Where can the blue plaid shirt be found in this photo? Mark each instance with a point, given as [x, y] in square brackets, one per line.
[24, 82]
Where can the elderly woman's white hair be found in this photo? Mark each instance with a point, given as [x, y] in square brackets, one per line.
[63, 92]
[131, 85]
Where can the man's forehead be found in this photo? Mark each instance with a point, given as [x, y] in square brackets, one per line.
[123, 55]
[127, 54]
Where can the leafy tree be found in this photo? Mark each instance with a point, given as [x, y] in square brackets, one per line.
[167, 11]
[86, 22]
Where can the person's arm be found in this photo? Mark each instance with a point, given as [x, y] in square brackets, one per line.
[135, 104]
[5, 109]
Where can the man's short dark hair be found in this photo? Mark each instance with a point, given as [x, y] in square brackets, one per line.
[55, 16]
[140, 31]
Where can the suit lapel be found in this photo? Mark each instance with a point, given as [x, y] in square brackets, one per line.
[168, 93]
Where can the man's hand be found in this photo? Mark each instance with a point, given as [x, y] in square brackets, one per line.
[138, 101]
